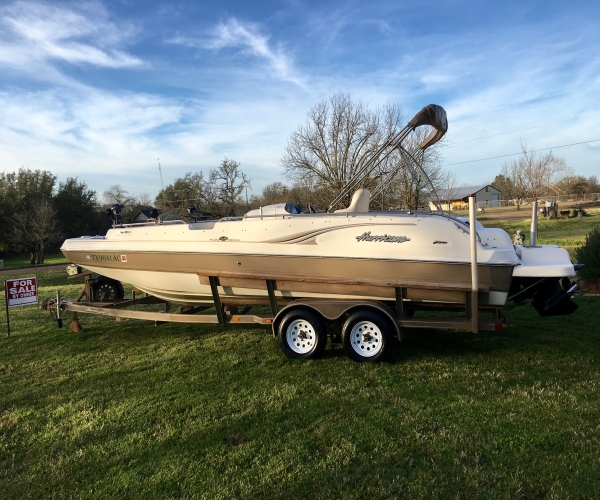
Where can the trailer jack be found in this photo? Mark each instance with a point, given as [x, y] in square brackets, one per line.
[52, 305]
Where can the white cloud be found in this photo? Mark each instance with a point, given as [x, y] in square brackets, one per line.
[65, 132]
[105, 138]
[37, 33]
[245, 36]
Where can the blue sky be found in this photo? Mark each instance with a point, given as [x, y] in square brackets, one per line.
[100, 90]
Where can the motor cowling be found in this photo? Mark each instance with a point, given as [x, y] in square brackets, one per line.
[555, 302]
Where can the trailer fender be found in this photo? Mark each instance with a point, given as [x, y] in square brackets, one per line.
[332, 310]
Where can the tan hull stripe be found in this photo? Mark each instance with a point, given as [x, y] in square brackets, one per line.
[497, 278]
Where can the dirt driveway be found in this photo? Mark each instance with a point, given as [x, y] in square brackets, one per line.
[490, 216]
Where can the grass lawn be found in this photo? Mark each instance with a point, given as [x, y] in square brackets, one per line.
[567, 233]
[23, 261]
[139, 411]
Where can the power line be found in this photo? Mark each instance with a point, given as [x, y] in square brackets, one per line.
[516, 154]
[523, 129]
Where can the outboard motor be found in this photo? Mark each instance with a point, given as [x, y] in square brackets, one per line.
[555, 301]
[550, 296]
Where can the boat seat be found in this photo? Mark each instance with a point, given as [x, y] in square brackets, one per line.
[360, 202]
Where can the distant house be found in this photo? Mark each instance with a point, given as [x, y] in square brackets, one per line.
[144, 216]
[458, 198]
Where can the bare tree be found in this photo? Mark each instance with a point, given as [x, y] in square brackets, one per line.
[225, 186]
[37, 229]
[306, 192]
[117, 194]
[144, 200]
[338, 138]
[540, 170]
[515, 173]
[219, 195]
[449, 189]
[191, 189]
[276, 192]
[531, 175]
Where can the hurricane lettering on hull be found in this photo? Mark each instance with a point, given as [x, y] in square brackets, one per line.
[385, 238]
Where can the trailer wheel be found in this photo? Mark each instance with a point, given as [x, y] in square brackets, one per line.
[367, 336]
[302, 335]
[107, 289]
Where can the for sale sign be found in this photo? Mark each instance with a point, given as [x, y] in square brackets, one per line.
[21, 292]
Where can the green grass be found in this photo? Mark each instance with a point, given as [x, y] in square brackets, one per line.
[21, 261]
[199, 411]
[567, 233]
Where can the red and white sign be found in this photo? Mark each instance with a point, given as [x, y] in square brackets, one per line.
[21, 292]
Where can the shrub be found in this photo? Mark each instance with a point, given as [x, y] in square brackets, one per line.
[589, 254]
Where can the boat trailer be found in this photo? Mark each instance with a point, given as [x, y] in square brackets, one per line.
[300, 326]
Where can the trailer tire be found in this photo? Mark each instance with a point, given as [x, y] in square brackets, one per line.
[367, 336]
[107, 289]
[302, 334]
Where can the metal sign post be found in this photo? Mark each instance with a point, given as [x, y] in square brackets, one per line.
[20, 292]
[6, 303]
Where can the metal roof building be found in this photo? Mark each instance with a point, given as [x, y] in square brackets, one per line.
[458, 198]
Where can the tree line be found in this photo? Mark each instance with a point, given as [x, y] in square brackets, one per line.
[532, 176]
[219, 194]
[36, 213]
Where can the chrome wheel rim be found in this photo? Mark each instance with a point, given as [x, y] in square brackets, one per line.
[301, 336]
[366, 339]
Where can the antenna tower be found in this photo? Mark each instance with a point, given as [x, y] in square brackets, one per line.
[162, 184]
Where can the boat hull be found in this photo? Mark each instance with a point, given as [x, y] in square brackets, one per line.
[182, 277]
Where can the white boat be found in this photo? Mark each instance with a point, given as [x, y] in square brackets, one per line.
[348, 254]
[340, 255]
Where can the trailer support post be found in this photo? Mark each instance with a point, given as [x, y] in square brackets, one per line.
[399, 303]
[215, 293]
[6, 303]
[272, 300]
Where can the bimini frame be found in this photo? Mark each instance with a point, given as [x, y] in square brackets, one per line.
[431, 115]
